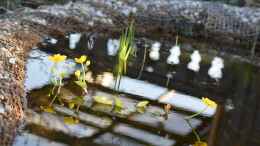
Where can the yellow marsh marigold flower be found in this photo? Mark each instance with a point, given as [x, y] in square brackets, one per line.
[57, 58]
[200, 143]
[81, 60]
[88, 63]
[77, 73]
[208, 102]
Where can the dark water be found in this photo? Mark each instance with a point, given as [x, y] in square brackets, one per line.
[102, 125]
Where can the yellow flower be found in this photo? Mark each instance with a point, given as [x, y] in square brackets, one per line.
[88, 63]
[77, 73]
[209, 103]
[200, 143]
[81, 60]
[57, 58]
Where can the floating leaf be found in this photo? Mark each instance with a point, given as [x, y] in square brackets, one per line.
[70, 120]
[71, 105]
[118, 110]
[118, 102]
[142, 104]
[103, 100]
[47, 109]
[140, 110]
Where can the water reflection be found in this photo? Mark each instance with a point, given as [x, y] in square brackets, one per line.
[38, 69]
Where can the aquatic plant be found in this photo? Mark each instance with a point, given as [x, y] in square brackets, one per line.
[81, 74]
[209, 104]
[58, 76]
[126, 48]
[81, 81]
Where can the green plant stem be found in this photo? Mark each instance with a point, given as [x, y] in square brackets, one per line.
[196, 114]
[177, 38]
[83, 70]
[119, 82]
[193, 130]
[53, 89]
[167, 82]
[58, 92]
[143, 63]
[78, 106]
[53, 99]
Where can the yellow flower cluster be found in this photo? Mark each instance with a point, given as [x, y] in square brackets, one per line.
[209, 103]
[57, 58]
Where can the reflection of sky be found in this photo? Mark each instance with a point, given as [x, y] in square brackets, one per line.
[55, 122]
[109, 139]
[174, 124]
[38, 69]
[27, 139]
[155, 92]
[142, 135]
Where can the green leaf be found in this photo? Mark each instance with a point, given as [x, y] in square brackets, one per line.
[118, 102]
[103, 100]
[142, 104]
[140, 110]
[82, 84]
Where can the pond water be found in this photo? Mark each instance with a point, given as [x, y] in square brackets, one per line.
[104, 125]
